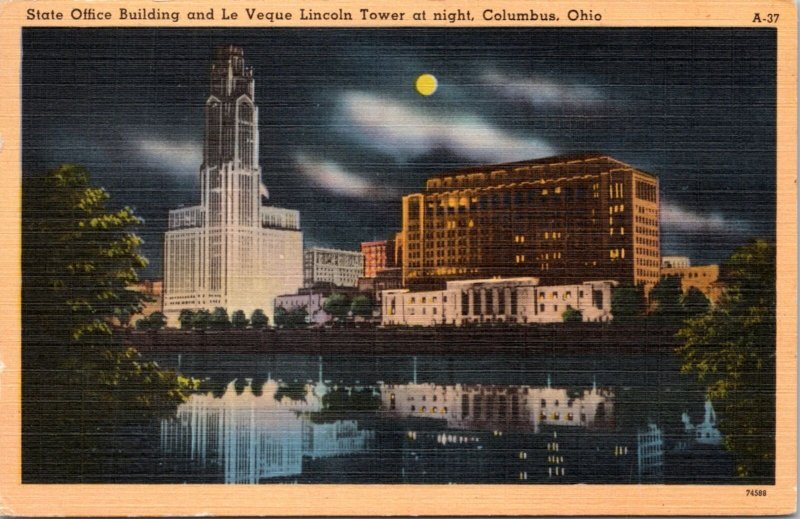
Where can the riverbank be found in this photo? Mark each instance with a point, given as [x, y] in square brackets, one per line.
[561, 337]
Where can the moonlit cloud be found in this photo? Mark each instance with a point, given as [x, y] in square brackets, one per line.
[332, 177]
[677, 219]
[541, 91]
[406, 132]
[181, 157]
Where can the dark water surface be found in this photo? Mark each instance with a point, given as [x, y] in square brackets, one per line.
[539, 418]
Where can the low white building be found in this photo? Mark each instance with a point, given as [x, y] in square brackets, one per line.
[313, 302]
[514, 300]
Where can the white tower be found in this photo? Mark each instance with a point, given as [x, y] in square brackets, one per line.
[231, 251]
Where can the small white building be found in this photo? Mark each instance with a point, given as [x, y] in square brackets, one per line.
[675, 262]
[338, 267]
[313, 302]
[513, 300]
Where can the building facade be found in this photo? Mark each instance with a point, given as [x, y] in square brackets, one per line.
[561, 219]
[339, 267]
[500, 407]
[675, 262]
[232, 250]
[511, 300]
[312, 302]
[378, 255]
[704, 278]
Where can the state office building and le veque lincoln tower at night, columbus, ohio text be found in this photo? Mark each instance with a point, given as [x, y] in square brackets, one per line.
[231, 251]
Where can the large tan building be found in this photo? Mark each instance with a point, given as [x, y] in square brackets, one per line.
[704, 278]
[561, 219]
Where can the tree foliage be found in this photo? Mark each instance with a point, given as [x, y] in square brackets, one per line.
[219, 320]
[201, 320]
[186, 318]
[294, 318]
[361, 306]
[338, 305]
[731, 349]
[239, 320]
[259, 320]
[78, 259]
[666, 298]
[572, 315]
[627, 302]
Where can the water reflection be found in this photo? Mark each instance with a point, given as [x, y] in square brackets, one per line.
[500, 408]
[349, 429]
[248, 437]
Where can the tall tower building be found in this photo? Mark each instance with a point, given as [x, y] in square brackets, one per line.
[233, 250]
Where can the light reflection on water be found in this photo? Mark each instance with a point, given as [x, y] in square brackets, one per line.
[430, 428]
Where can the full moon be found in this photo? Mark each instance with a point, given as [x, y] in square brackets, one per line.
[426, 84]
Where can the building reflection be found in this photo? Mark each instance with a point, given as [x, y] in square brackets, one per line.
[245, 437]
[501, 407]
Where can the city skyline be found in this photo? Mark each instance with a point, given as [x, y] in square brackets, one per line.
[695, 107]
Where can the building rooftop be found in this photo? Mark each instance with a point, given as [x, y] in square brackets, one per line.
[602, 160]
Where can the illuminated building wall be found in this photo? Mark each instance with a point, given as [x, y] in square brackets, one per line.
[705, 278]
[512, 300]
[499, 407]
[231, 251]
[341, 268]
[562, 219]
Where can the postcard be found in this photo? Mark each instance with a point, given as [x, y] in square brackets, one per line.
[442, 257]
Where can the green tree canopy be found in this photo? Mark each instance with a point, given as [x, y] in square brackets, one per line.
[731, 349]
[239, 320]
[361, 306]
[627, 302]
[79, 258]
[294, 318]
[186, 318]
[219, 319]
[695, 303]
[338, 305]
[259, 320]
[572, 315]
[667, 298]
[157, 320]
[201, 320]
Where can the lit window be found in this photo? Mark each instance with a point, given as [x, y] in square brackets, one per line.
[546, 235]
[544, 192]
[557, 190]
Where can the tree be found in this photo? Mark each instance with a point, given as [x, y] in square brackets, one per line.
[79, 258]
[627, 302]
[294, 318]
[258, 320]
[186, 319]
[142, 324]
[695, 303]
[572, 315]
[361, 306]
[338, 305]
[219, 319]
[157, 321]
[731, 348]
[239, 321]
[666, 297]
[201, 320]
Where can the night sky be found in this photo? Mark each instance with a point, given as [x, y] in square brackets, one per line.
[344, 133]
